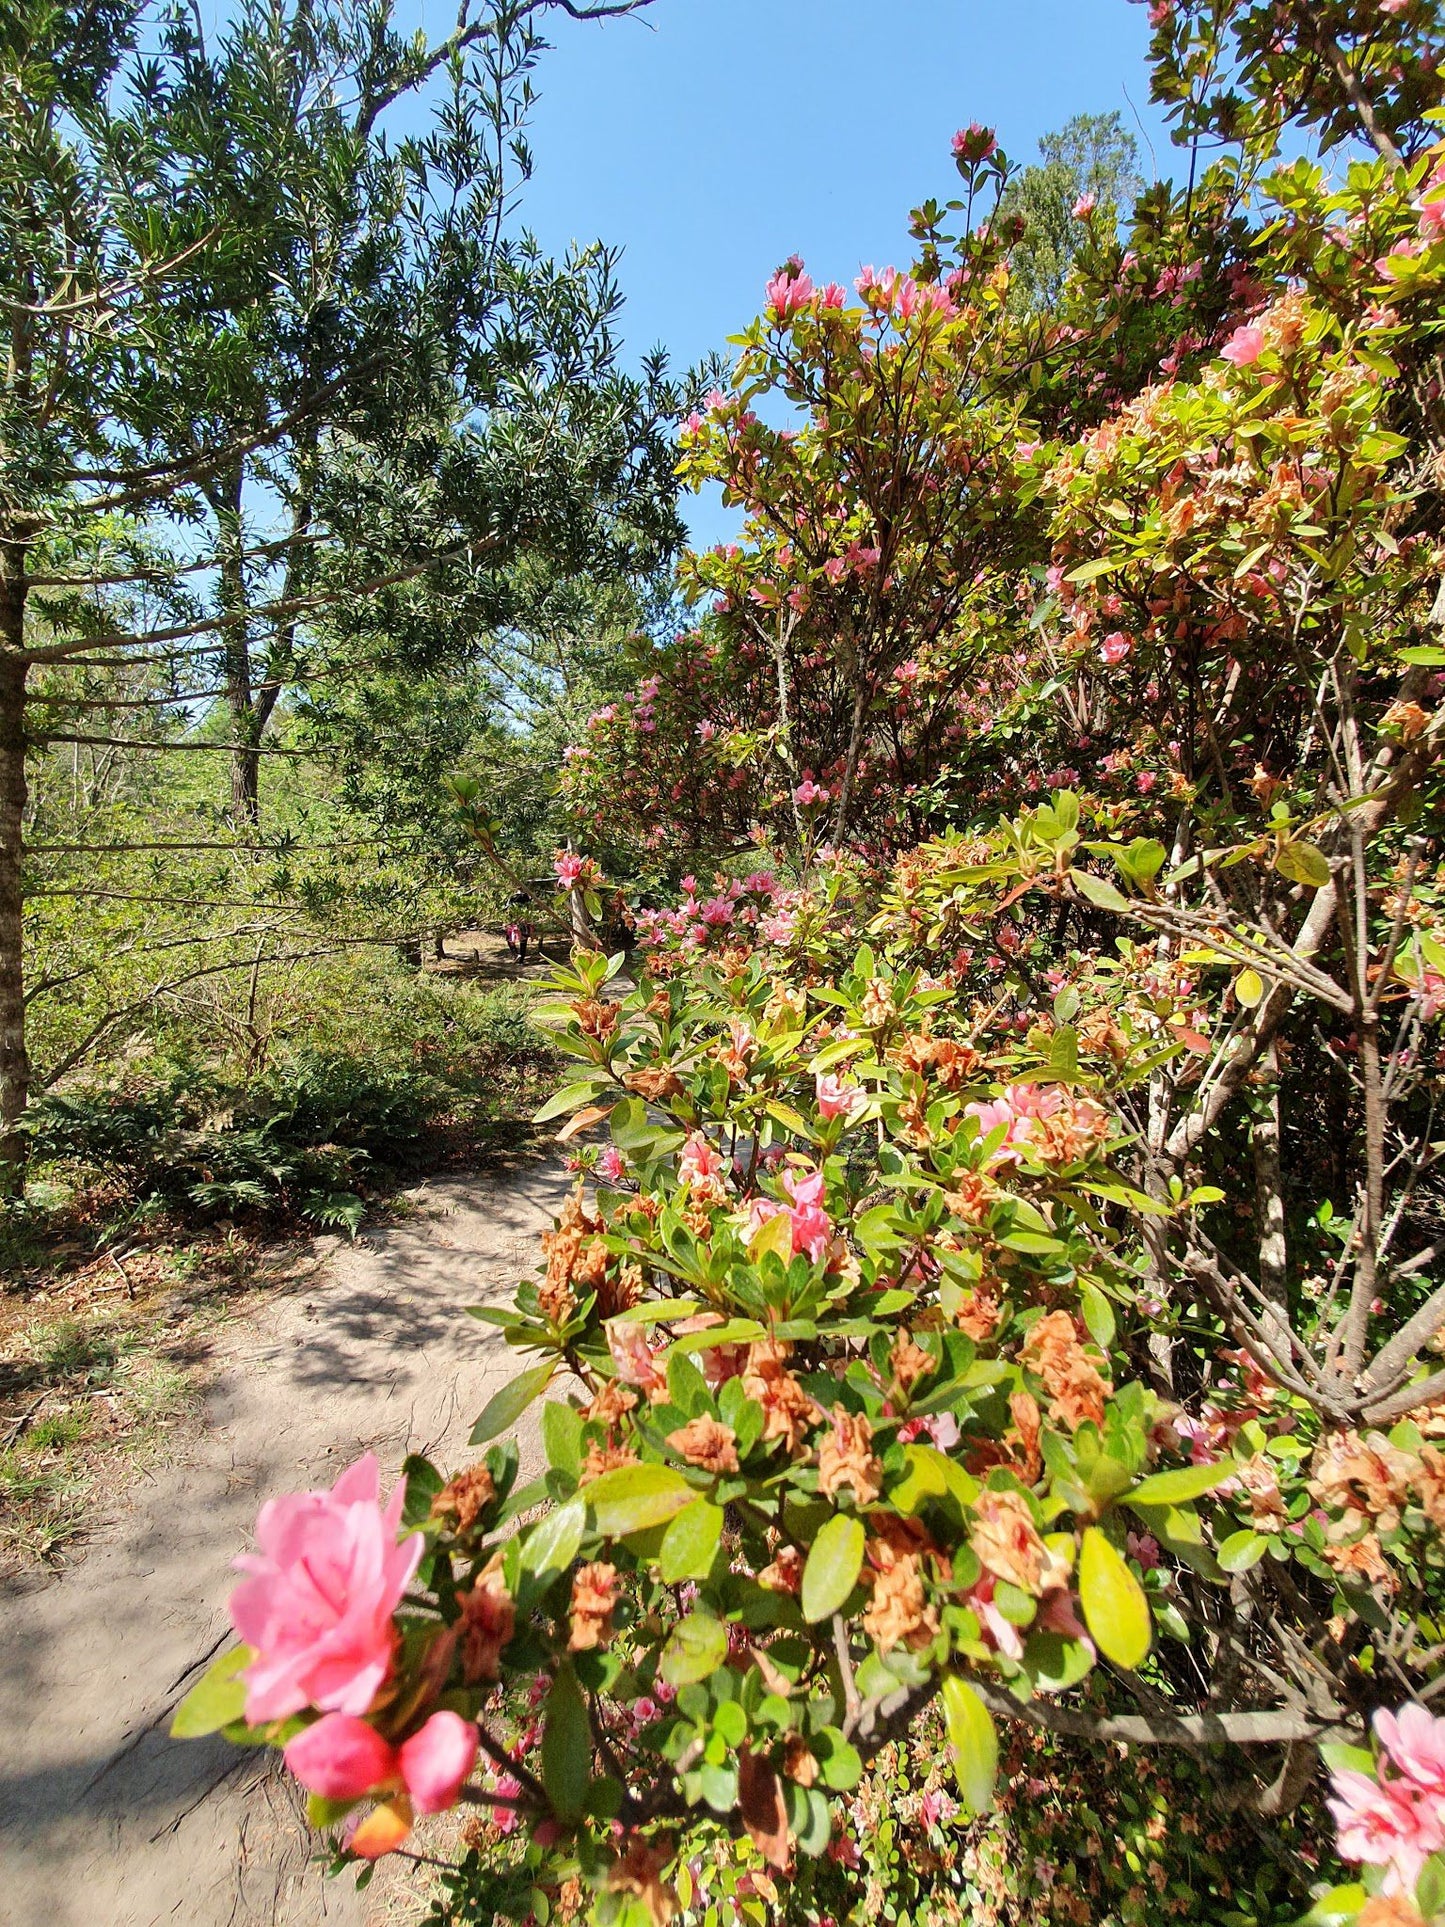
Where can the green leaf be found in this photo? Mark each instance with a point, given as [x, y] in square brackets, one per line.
[1098, 1316]
[1102, 895]
[552, 1543]
[1333, 1909]
[562, 1435]
[636, 1496]
[690, 1543]
[973, 1742]
[1178, 1487]
[1241, 1550]
[570, 1099]
[567, 1746]
[217, 1698]
[835, 1560]
[1303, 863]
[503, 1411]
[697, 1648]
[1114, 1604]
[1091, 571]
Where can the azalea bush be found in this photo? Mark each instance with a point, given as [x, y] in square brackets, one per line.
[997, 1299]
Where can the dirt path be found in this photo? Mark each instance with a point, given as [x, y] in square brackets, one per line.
[104, 1821]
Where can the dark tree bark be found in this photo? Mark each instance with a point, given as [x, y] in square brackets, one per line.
[14, 1057]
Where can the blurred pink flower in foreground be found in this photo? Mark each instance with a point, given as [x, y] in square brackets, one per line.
[318, 1605]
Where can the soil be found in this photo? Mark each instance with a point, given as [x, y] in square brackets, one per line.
[104, 1820]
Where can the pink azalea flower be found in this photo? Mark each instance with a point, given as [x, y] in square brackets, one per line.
[342, 1758]
[568, 869]
[808, 794]
[812, 1227]
[1244, 347]
[1385, 1825]
[974, 142]
[700, 1161]
[634, 1358]
[787, 293]
[317, 1607]
[506, 1819]
[1085, 206]
[1113, 649]
[1414, 1741]
[836, 1099]
[610, 1166]
[940, 1427]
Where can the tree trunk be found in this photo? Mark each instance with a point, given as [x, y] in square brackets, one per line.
[225, 500]
[14, 1058]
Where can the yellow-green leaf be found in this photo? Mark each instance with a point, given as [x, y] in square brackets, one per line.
[834, 1563]
[507, 1406]
[1249, 988]
[775, 1235]
[973, 1742]
[217, 1698]
[690, 1543]
[566, 1746]
[1186, 1482]
[1114, 1604]
[635, 1497]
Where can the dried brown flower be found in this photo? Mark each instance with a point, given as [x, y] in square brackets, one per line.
[594, 1598]
[845, 1457]
[704, 1442]
[466, 1497]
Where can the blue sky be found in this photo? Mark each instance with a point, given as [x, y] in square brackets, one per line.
[712, 138]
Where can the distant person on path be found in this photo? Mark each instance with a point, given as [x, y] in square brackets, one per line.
[519, 931]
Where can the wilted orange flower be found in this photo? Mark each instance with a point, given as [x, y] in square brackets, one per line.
[639, 1872]
[1365, 1558]
[1368, 1477]
[1007, 1541]
[1024, 1436]
[788, 1412]
[845, 1457]
[1260, 1480]
[594, 1596]
[978, 1315]
[655, 1086]
[465, 1498]
[611, 1403]
[706, 1443]
[1430, 1486]
[972, 1197]
[576, 1255]
[798, 1762]
[596, 1019]
[898, 1613]
[604, 1458]
[1076, 1389]
[487, 1624]
[785, 1574]
[1391, 1910]
[1409, 719]
[908, 1362]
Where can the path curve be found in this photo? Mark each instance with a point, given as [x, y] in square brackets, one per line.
[105, 1821]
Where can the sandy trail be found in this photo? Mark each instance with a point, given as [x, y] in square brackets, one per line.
[106, 1822]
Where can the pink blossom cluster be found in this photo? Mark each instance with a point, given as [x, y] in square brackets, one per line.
[812, 1227]
[735, 907]
[1395, 1818]
[317, 1610]
[575, 872]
